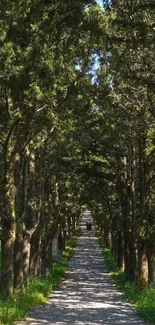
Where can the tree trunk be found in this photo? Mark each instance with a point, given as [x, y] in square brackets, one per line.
[142, 278]
[107, 236]
[7, 242]
[26, 255]
[126, 259]
[18, 250]
[133, 260]
[129, 219]
[120, 251]
[35, 253]
[44, 259]
[126, 227]
[35, 249]
[73, 224]
[141, 179]
[132, 244]
[69, 224]
[18, 258]
[114, 243]
[8, 227]
[150, 252]
[129, 254]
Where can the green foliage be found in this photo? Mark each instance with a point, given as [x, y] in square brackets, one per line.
[18, 307]
[68, 253]
[146, 304]
[101, 239]
[143, 300]
[77, 105]
[110, 260]
[47, 51]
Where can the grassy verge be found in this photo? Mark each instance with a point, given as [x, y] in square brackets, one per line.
[68, 252]
[143, 300]
[18, 307]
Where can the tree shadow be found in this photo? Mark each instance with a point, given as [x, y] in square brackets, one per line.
[87, 295]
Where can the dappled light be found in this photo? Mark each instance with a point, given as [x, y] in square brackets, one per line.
[77, 146]
[87, 295]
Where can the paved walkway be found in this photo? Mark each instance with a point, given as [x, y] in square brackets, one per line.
[87, 296]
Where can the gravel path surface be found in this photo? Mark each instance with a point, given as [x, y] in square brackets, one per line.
[87, 295]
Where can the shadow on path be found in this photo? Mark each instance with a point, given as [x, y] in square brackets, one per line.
[87, 296]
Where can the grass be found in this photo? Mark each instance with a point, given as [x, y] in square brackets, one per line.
[18, 307]
[143, 300]
[68, 252]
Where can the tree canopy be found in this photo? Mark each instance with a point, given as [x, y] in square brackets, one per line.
[76, 129]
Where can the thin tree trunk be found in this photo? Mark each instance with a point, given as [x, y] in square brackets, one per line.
[8, 227]
[26, 255]
[133, 260]
[142, 278]
[35, 248]
[126, 235]
[18, 258]
[120, 251]
[73, 223]
[7, 246]
[20, 176]
[150, 252]
[35, 254]
[18, 248]
[44, 259]
[107, 235]
[126, 259]
[132, 244]
[141, 179]
[69, 224]
[46, 254]
[101, 226]
[114, 243]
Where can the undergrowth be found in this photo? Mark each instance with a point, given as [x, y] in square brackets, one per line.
[17, 308]
[143, 300]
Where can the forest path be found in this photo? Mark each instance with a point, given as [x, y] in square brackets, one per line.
[87, 295]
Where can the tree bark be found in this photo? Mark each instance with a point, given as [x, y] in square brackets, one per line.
[35, 248]
[142, 278]
[26, 255]
[120, 250]
[126, 235]
[18, 249]
[8, 225]
[114, 243]
[150, 252]
[107, 235]
[132, 257]
[126, 259]
[18, 258]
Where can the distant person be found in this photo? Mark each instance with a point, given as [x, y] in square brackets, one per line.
[88, 225]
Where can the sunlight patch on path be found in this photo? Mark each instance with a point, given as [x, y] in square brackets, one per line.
[88, 295]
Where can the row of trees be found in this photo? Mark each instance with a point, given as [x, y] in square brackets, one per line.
[46, 90]
[76, 127]
[127, 138]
